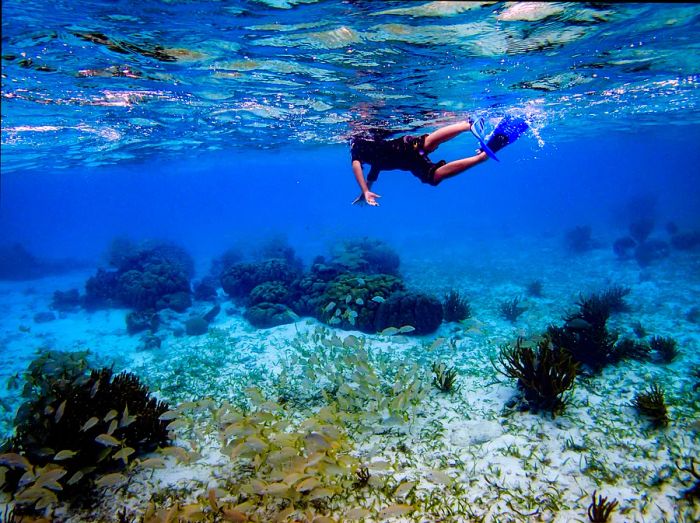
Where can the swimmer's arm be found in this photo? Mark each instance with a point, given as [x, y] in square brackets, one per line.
[366, 195]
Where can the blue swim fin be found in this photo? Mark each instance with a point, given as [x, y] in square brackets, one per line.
[506, 132]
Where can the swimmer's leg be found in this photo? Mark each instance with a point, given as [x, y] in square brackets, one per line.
[434, 139]
[458, 166]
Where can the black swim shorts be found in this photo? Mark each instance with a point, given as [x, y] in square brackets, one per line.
[418, 162]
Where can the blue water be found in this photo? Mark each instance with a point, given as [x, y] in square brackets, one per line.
[214, 124]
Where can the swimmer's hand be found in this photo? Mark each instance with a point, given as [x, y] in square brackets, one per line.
[367, 198]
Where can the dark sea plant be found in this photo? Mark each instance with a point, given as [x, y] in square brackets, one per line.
[444, 378]
[693, 493]
[652, 405]
[578, 240]
[600, 508]
[511, 309]
[624, 248]
[686, 241]
[641, 228]
[650, 251]
[585, 333]
[80, 423]
[665, 347]
[455, 307]
[534, 288]
[544, 372]
[639, 329]
[613, 298]
[693, 315]
[629, 349]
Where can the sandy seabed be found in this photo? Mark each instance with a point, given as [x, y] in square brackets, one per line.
[482, 460]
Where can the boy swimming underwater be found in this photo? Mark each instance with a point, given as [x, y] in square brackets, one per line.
[410, 153]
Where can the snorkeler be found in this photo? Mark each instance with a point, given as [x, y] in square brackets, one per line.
[410, 153]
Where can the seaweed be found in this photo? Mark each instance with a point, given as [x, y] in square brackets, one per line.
[600, 508]
[692, 493]
[455, 307]
[362, 477]
[639, 329]
[651, 404]
[629, 349]
[544, 373]
[76, 426]
[665, 347]
[534, 288]
[444, 378]
[511, 310]
[613, 298]
[585, 333]
[578, 240]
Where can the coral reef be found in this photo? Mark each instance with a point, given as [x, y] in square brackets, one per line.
[265, 315]
[366, 255]
[270, 292]
[544, 372]
[351, 301]
[223, 263]
[511, 310]
[153, 275]
[205, 289]
[101, 290]
[77, 426]
[420, 311]
[66, 301]
[277, 247]
[652, 404]
[240, 279]
[455, 307]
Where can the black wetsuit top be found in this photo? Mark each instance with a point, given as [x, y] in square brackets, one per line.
[405, 153]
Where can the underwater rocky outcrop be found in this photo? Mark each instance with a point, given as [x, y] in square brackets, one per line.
[77, 425]
[142, 320]
[417, 310]
[367, 256]
[264, 315]
[66, 301]
[351, 301]
[686, 241]
[17, 263]
[650, 251]
[152, 275]
[240, 279]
